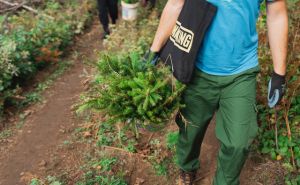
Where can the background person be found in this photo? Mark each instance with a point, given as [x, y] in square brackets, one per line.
[107, 8]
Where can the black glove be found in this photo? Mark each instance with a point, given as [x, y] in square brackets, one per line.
[151, 57]
[276, 89]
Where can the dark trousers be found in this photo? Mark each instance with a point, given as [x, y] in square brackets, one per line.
[106, 7]
[152, 3]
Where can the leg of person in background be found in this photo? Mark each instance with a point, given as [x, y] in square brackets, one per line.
[103, 15]
[152, 3]
[146, 3]
[113, 10]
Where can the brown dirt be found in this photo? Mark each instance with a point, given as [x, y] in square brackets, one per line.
[46, 144]
[49, 123]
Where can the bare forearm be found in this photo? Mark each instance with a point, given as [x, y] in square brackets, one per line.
[277, 21]
[166, 24]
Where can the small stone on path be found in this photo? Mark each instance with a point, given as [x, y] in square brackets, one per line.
[139, 181]
[42, 163]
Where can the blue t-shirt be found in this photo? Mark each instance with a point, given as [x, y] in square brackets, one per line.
[230, 44]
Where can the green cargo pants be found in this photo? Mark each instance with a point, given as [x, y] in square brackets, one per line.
[233, 99]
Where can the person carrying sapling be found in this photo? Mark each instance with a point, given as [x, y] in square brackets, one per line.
[224, 82]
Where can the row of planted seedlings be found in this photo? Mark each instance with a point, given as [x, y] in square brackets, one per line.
[279, 132]
[29, 42]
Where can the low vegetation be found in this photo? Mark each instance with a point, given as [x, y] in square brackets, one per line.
[29, 42]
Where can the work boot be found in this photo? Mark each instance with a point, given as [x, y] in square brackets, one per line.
[187, 178]
[105, 33]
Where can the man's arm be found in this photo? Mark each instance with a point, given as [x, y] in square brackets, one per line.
[167, 23]
[277, 22]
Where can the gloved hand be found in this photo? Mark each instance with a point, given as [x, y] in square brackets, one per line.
[151, 57]
[276, 89]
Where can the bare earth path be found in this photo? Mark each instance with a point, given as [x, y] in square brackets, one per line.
[49, 124]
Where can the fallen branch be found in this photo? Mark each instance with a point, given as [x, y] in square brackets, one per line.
[14, 8]
[22, 5]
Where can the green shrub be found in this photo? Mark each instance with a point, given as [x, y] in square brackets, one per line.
[132, 91]
[7, 69]
[127, 89]
[29, 43]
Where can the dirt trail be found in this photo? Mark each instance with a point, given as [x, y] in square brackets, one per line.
[48, 126]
